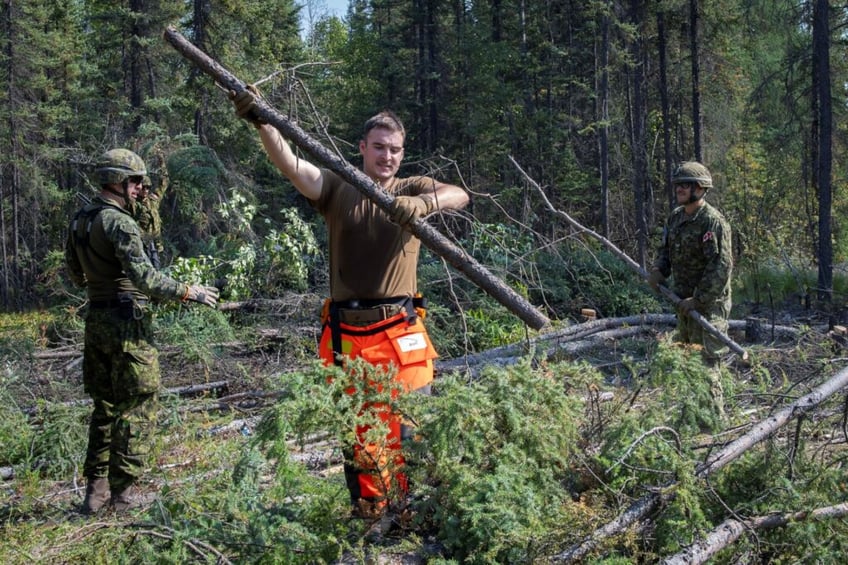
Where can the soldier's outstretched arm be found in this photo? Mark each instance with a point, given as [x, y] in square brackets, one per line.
[306, 177]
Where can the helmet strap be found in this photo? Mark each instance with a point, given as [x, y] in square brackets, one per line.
[693, 197]
[108, 188]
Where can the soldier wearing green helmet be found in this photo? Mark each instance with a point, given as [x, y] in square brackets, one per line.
[696, 252]
[146, 213]
[104, 253]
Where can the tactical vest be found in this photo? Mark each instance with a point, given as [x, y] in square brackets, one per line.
[95, 252]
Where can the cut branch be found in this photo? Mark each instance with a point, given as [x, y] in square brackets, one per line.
[428, 235]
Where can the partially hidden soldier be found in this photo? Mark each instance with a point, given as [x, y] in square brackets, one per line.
[146, 213]
[104, 253]
[374, 311]
[697, 253]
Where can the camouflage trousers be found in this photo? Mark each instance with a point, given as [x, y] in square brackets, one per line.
[121, 374]
[690, 331]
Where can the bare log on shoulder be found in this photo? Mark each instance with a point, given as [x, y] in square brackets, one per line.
[428, 235]
[703, 322]
[643, 507]
[730, 530]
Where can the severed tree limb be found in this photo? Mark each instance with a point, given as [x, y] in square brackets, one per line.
[643, 507]
[703, 322]
[428, 235]
[729, 531]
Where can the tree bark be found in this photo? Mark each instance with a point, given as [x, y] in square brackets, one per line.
[729, 531]
[696, 80]
[824, 165]
[638, 131]
[603, 117]
[428, 235]
[662, 47]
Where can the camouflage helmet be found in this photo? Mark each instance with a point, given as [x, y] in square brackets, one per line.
[692, 171]
[146, 182]
[117, 164]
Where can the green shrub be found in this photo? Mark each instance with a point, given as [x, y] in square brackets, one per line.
[493, 463]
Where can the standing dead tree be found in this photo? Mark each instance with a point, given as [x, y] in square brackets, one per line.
[642, 508]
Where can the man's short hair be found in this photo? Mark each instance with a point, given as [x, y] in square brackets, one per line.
[386, 120]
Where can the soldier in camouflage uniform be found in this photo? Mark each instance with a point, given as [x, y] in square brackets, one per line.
[696, 251]
[146, 213]
[104, 253]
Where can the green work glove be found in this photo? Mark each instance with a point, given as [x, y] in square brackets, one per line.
[655, 279]
[203, 294]
[245, 103]
[407, 209]
[688, 304]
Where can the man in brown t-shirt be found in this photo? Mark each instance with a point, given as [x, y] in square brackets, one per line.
[374, 306]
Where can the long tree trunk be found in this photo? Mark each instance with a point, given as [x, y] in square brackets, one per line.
[638, 131]
[135, 60]
[12, 275]
[662, 47]
[199, 15]
[696, 80]
[603, 118]
[821, 82]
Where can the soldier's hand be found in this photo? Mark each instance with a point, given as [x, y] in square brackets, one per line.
[688, 304]
[203, 294]
[407, 209]
[655, 279]
[245, 104]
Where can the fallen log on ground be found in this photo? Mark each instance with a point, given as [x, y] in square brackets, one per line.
[594, 330]
[643, 507]
[729, 531]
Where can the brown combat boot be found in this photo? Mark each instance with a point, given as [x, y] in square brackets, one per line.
[369, 509]
[125, 498]
[96, 495]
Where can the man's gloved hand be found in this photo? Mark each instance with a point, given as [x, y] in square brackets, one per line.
[245, 103]
[407, 209]
[688, 304]
[655, 279]
[203, 294]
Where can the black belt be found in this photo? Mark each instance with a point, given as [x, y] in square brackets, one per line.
[370, 311]
[106, 304]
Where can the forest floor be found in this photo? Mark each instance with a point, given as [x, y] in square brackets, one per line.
[232, 389]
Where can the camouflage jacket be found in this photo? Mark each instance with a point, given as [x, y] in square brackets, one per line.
[104, 252]
[146, 213]
[696, 251]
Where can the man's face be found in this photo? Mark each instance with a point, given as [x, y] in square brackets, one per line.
[382, 152]
[687, 192]
[134, 187]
